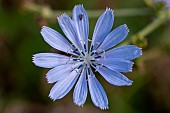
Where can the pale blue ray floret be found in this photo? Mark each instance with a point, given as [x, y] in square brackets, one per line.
[75, 68]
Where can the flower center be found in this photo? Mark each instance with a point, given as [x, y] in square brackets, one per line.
[87, 59]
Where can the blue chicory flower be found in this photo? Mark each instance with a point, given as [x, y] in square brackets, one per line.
[108, 61]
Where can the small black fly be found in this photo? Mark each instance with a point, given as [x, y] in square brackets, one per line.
[80, 16]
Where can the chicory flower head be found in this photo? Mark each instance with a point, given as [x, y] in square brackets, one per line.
[76, 69]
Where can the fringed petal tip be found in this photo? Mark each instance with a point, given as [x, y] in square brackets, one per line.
[45, 30]
[130, 83]
[43, 27]
[36, 55]
[48, 81]
[78, 5]
[126, 27]
[78, 104]
[35, 62]
[47, 78]
[130, 70]
[61, 16]
[104, 108]
[109, 9]
[101, 107]
[139, 51]
[131, 66]
[52, 98]
[34, 58]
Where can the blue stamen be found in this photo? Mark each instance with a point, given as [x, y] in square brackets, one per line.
[92, 60]
[83, 53]
[92, 53]
[77, 53]
[80, 66]
[85, 48]
[91, 49]
[94, 65]
[97, 57]
[88, 71]
[75, 59]
[81, 60]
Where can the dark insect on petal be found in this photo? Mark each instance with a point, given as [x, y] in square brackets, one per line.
[81, 16]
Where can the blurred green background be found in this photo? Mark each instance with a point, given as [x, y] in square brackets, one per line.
[23, 86]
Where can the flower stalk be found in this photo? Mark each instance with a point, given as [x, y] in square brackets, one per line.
[139, 38]
[48, 13]
[163, 16]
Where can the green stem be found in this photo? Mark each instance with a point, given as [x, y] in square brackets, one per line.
[47, 13]
[162, 17]
[139, 38]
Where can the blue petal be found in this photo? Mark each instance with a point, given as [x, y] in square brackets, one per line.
[128, 52]
[50, 60]
[119, 65]
[80, 91]
[80, 18]
[103, 26]
[115, 37]
[113, 77]
[69, 29]
[62, 87]
[97, 92]
[60, 72]
[56, 40]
